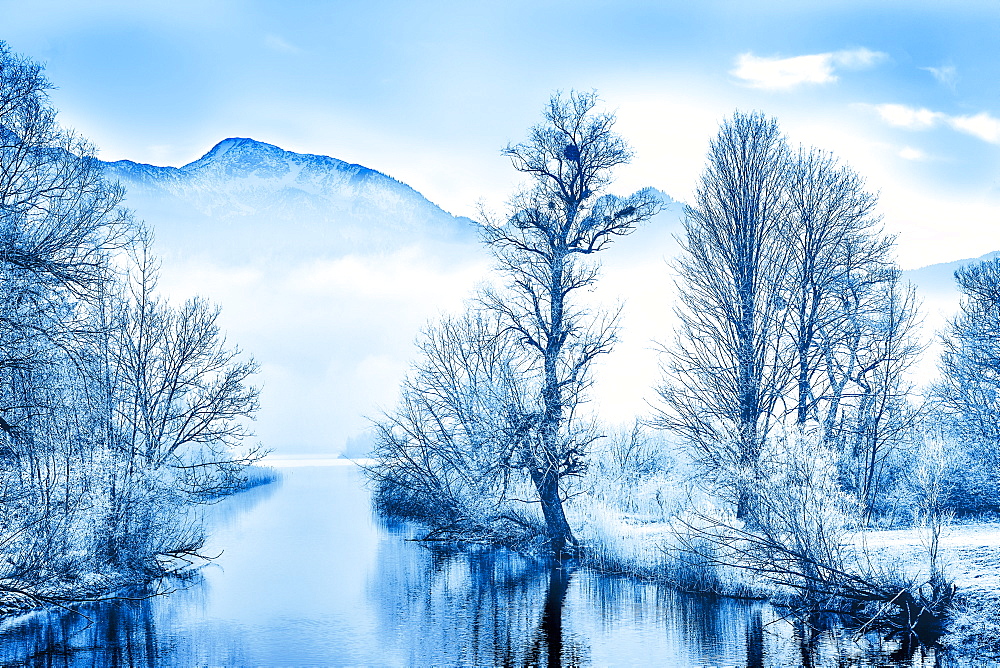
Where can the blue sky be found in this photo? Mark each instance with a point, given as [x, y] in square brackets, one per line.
[428, 92]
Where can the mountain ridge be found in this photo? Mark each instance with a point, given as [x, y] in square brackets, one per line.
[244, 146]
[286, 202]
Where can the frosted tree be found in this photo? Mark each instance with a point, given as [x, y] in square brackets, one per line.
[791, 311]
[542, 248]
[82, 511]
[496, 394]
[728, 370]
[970, 364]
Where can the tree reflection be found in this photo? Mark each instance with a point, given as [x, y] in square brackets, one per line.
[451, 606]
[548, 640]
[445, 605]
[105, 634]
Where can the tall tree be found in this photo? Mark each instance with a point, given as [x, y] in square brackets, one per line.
[79, 511]
[969, 388]
[790, 311]
[541, 248]
[728, 370]
[833, 236]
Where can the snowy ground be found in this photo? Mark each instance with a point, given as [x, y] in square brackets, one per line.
[969, 555]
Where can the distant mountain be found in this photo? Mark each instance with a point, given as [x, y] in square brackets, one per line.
[246, 196]
[939, 299]
[325, 272]
[938, 280]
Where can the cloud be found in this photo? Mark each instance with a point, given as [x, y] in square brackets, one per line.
[787, 73]
[901, 116]
[946, 74]
[981, 126]
[857, 59]
[910, 153]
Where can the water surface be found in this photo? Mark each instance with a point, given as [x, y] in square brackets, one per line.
[307, 577]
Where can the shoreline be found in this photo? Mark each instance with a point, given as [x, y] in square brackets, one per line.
[969, 555]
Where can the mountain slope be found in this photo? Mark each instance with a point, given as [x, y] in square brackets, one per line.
[246, 196]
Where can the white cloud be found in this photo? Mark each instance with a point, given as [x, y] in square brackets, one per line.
[981, 126]
[910, 153]
[857, 59]
[786, 73]
[776, 74]
[901, 116]
[946, 74]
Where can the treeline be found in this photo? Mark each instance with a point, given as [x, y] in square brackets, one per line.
[785, 397]
[117, 410]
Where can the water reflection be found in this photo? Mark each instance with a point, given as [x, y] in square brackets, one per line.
[119, 634]
[453, 606]
[306, 578]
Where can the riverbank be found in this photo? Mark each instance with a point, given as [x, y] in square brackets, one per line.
[970, 558]
[968, 554]
[86, 578]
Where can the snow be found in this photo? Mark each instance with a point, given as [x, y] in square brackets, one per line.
[969, 555]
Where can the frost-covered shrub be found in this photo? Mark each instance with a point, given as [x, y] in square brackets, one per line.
[449, 455]
[801, 503]
[638, 472]
[795, 534]
[974, 487]
[974, 630]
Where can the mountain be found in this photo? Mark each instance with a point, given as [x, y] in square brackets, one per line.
[939, 299]
[246, 196]
[326, 271]
[937, 281]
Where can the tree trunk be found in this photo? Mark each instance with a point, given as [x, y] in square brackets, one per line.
[560, 536]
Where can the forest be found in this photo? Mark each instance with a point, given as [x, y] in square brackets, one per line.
[120, 413]
[786, 429]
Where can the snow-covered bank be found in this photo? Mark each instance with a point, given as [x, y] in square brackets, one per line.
[969, 555]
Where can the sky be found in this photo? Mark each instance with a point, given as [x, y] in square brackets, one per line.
[429, 92]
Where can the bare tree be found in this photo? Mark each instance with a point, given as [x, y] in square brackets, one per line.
[728, 371]
[834, 239]
[541, 249]
[446, 454]
[869, 416]
[489, 416]
[852, 321]
[969, 387]
[183, 397]
[86, 506]
[791, 308]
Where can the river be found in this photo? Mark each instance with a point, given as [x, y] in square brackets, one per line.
[306, 576]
